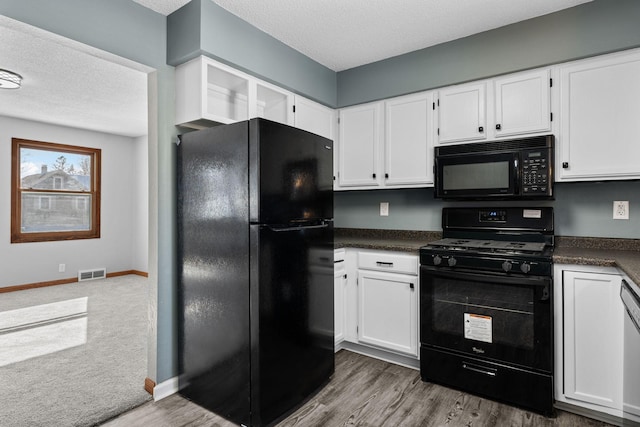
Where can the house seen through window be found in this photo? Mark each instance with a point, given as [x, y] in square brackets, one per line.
[55, 192]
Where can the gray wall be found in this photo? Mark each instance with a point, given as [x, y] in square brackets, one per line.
[129, 30]
[590, 29]
[203, 28]
[581, 209]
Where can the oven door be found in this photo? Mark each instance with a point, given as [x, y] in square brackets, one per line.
[499, 317]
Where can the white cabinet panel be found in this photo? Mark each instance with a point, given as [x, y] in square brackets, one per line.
[600, 110]
[340, 289]
[360, 143]
[462, 113]
[388, 305]
[314, 117]
[592, 332]
[408, 140]
[522, 103]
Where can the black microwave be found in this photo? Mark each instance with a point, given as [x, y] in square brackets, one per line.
[511, 169]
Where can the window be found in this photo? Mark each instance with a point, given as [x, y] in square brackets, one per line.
[55, 192]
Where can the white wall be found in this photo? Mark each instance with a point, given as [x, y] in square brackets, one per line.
[123, 210]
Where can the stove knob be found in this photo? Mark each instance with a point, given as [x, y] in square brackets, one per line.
[437, 260]
[452, 262]
[506, 266]
[525, 267]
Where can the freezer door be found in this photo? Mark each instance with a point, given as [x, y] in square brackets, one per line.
[291, 174]
[292, 300]
[213, 271]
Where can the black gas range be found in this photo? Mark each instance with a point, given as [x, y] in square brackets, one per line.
[486, 312]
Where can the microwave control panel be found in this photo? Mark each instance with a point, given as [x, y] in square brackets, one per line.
[536, 172]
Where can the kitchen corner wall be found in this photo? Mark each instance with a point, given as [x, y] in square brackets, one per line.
[581, 209]
[201, 27]
[593, 28]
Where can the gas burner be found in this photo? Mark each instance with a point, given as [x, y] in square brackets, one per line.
[496, 246]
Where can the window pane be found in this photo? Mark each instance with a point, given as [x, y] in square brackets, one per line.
[54, 170]
[55, 212]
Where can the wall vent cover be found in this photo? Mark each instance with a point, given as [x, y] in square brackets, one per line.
[97, 273]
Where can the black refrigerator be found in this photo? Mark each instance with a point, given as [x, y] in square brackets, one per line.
[255, 268]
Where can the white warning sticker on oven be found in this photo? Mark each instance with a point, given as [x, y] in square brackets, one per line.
[477, 327]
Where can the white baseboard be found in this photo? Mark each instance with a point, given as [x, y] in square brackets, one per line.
[165, 389]
[387, 356]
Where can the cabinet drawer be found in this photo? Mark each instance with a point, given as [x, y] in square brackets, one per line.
[383, 261]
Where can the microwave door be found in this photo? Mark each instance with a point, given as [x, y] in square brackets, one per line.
[482, 176]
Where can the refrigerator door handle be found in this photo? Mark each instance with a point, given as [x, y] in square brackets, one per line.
[297, 228]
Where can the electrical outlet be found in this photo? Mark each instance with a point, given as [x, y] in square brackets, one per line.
[384, 208]
[61, 268]
[621, 209]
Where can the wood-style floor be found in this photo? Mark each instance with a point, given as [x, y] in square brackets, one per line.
[369, 393]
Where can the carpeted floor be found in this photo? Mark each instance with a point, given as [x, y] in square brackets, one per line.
[73, 355]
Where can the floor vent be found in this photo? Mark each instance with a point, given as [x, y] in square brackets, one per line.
[98, 273]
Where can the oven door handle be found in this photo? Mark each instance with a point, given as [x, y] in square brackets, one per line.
[488, 278]
[492, 372]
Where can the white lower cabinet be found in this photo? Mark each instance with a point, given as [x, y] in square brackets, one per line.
[388, 311]
[589, 338]
[387, 289]
[340, 289]
[376, 303]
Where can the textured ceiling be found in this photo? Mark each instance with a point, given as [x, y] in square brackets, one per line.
[70, 84]
[343, 34]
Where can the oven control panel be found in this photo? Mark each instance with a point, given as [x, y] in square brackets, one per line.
[493, 215]
[530, 267]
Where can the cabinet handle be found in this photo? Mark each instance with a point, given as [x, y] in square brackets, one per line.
[565, 165]
[410, 285]
[498, 127]
[373, 175]
[384, 264]
[481, 129]
[386, 175]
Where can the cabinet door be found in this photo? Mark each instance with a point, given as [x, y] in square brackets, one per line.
[600, 107]
[462, 113]
[271, 102]
[408, 143]
[593, 347]
[360, 134]
[522, 103]
[340, 288]
[388, 306]
[314, 117]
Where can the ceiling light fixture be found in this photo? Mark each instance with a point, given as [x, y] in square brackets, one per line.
[9, 79]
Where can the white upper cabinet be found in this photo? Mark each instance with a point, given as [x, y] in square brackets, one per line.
[522, 103]
[314, 117]
[462, 113]
[210, 93]
[600, 118]
[387, 144]
[408, 153]
[272, 103]
[361, 130]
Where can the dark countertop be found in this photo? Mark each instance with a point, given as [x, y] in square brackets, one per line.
[384, 240]
[604, 252]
